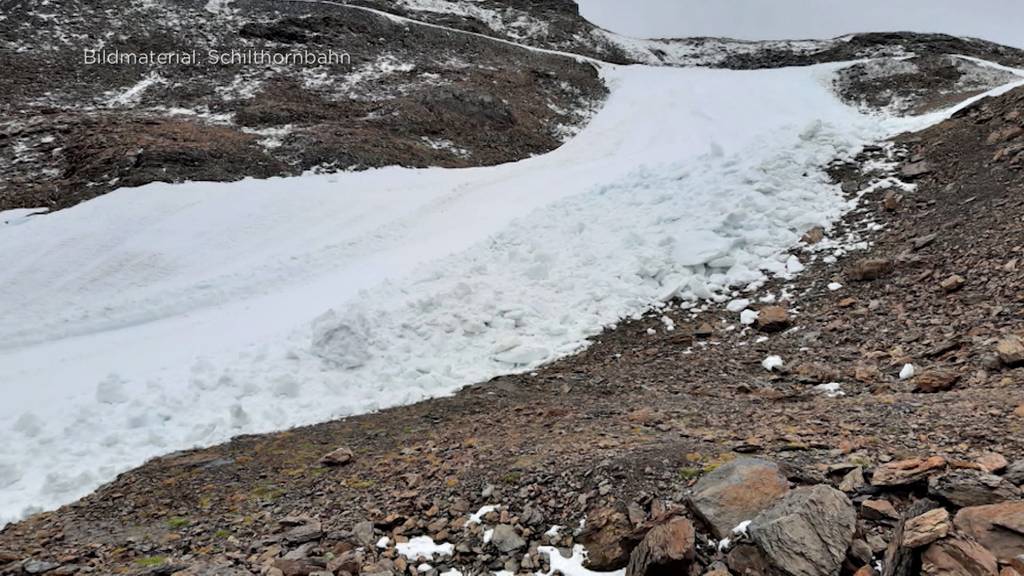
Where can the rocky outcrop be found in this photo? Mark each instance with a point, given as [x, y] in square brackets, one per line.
[997, 527]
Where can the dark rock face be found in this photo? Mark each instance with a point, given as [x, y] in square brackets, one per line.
[972, 488]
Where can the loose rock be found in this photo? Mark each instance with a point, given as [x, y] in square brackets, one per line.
[926, 528]
[1011, 351]
[666, 549]
[958, 556]
[339, 457]
[772, 319]
[904, 472]
[972, 488]
[870, 269]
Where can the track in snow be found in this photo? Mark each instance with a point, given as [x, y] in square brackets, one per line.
[168, 316]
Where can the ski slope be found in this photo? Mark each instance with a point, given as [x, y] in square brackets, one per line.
[169, 316]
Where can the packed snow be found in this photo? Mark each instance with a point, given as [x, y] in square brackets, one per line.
[169, 316]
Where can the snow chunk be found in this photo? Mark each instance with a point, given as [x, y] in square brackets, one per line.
[572, 566]
[424, 548]
[748, 317]
[835, 286]
[738, 305]
[830, 390]
[479, 515]
[907, 372]
[771, 363]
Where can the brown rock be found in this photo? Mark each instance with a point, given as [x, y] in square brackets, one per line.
[609, 537]
[878, 510]
[667, 549]
[900, 560]
[865, 571]
[891, 201]
[992, 462]
[952, 284]
[853, 481]
[926, 528]
[1019, 411]
[958, 556]
[972, 488]
[1011, 350]
[339, 457]
[814, 235]
[705, 330]
[904, 472]
[870, 269]
[997, 527]
[737, 491]
[932, 381]
[772, 319]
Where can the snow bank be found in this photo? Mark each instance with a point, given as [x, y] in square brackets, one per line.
[168, 316]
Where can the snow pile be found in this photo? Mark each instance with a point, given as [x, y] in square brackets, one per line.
[167, 316]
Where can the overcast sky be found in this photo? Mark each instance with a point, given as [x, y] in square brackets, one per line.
[997, 20]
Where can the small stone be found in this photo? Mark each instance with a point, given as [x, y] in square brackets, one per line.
[705, 330]
[772, 319]
[870, 269]
[814, 235]
[904, 472]
[926, 528]
[891, 201]
[339, 457]
[932, 381]
[1011, 351]
[364, 535]
[667, 549]
[853, 481]
[39, 566]
[952, 284]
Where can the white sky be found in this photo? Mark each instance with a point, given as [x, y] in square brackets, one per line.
[997, 20]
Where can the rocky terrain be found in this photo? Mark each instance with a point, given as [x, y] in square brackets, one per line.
[863, 418]
[436, 90]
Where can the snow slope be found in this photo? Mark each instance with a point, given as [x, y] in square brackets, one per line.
[168, 316]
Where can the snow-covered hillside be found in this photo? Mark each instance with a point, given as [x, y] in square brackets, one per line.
[162, 317]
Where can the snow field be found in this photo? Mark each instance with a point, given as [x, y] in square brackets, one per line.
[170, 316]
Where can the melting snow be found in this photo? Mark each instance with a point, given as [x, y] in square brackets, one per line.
[424, 548]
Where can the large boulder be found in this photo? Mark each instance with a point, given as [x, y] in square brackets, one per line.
[736, 492]
[958, 556]
[972, 488]
[667, 549]
[997, 527]
[609, 537]
[807, 533]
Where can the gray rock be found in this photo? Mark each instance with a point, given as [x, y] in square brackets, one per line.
[363, 532]
[1015, 473]
[972, 488]
[807, 533]
[305, 533]
[735, 492]
[506, 539]
[39, 566]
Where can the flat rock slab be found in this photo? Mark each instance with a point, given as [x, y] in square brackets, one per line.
[735, 492]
